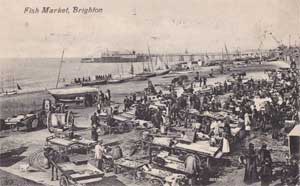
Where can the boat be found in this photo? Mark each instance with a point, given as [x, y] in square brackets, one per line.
[138, 78]
[133, 77]
[12, 89]
[161, 69]
[121, 77]
[72, 93]
[146, 74]
[182, 72]
[147, 71]
[162, 72]
[72, 84]
[181, 68]
[114, 81]
[87, 60]
[8, 93]
[94, 82]
[116, 57]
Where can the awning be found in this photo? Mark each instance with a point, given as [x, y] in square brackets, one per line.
[295, 131]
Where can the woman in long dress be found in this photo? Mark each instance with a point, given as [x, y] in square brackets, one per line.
[251, 174]
[225, 145]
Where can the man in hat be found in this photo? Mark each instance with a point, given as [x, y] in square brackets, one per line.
[94, 119]
[99, 150]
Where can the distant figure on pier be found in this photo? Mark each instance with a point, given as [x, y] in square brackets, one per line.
[293, 63]
[204, 81]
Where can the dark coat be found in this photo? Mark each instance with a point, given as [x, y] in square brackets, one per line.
[266, 172]
[251, 174]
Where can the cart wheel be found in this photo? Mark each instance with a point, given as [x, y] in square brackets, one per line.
[156, 182]
[70, 118]
[101, 131]
[49, 123]
[63, 181]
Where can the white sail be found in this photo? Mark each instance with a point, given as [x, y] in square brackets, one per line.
[159, 64]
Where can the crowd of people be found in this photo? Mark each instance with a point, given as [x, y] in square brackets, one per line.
[83, 79]
[103, 77]
[103, 105]
[258, 105]
[261, 106]
[97, 77]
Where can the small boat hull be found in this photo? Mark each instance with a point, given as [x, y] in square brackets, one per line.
[115, 81]
[92, 83]
[139, 78]
[182, 72]
[8, 93]
[162, 72]
[146, 74]
[72, 93]
[72, 85]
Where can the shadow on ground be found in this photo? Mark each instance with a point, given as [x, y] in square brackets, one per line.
[13, 180]
[11, 157]
[111, 180]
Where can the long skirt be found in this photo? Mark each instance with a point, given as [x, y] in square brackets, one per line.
[251, 174]
[226, 146]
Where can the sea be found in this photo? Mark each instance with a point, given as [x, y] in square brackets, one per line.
[35, 74]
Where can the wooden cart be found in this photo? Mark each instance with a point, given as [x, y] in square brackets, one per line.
[132, 166]
[62, 120]
[66, 145]
[30, 121]
[158, 176]
[121, 124]
[72, 174]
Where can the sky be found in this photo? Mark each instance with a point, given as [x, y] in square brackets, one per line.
[165, 26]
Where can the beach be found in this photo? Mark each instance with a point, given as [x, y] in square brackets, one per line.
[32, 143]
